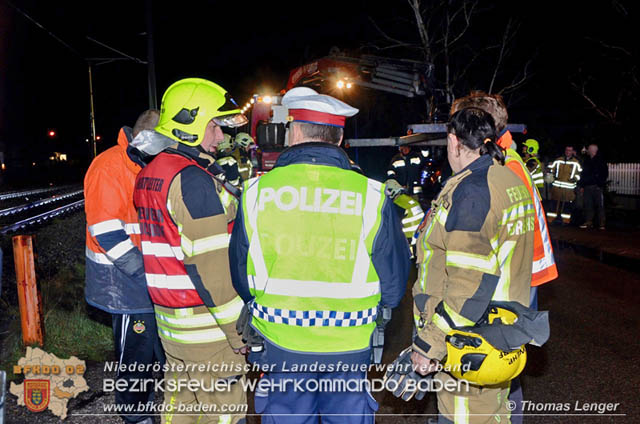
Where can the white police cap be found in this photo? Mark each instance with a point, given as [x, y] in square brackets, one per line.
[306, 105]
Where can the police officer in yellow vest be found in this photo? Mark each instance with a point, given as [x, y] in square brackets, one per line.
[316, 249]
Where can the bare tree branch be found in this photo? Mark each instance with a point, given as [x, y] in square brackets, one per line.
[610, 116]
[503, 50]
[424, 36]
[611, 47]
[467, 20]
[460, 75]
[443, 28]
[517, 84]
[384, 34]
[395, 46]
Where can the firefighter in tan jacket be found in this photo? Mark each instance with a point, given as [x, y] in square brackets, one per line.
[475, 249]
[566, 171]
[185, 215]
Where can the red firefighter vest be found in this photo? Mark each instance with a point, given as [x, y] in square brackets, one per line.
[167, 279]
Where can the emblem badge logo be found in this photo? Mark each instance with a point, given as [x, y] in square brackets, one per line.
[139, 327]
[36, 395]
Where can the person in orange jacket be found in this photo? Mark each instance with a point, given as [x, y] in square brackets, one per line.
[115, 279]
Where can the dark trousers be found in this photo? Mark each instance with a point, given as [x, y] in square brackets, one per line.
[594, 204]
[136, 342]
[295, 406]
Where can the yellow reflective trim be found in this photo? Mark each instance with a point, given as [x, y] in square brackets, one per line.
[461, 410]
[487, 264]
[441, 323]
[172, 402]
[186, 321]
[427, 255]
[441, 216]
[229, 312]
[190, 337]
[204, 245]
[416, 320]
[519, 210]
[504, 256]
[457, 319]
[494, 243]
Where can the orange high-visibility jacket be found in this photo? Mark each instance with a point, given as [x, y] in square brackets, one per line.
[115, 280]
[544, 265]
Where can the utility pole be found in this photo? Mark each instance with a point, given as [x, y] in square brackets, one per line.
[101, 61]
[92, 115]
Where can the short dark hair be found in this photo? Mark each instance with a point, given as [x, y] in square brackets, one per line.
[146, 121]
[327, 133]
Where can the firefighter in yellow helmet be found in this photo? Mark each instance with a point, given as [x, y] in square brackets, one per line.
[475, 250]
[227, 161]
[184, 216]
[530, 150]
[243, 143]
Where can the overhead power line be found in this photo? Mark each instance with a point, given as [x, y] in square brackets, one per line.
[39, 25]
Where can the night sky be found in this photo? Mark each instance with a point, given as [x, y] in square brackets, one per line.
[249, 47]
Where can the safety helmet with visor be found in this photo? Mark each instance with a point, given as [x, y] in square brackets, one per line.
[243, 140]
[532, 146]
[189, 104]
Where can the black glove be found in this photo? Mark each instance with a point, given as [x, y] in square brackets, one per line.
[250, 336]
[401, 380]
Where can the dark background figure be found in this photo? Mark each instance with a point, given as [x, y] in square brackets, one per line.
[592, 184]
[566, 170]
[406, 168]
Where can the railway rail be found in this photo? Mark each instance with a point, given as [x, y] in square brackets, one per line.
[30, 192]
[22, 216]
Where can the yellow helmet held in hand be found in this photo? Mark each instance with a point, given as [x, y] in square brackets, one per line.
[532, 146]
[471, 357]
[189, 104]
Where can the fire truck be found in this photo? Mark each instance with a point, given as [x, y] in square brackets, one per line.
[338, 73]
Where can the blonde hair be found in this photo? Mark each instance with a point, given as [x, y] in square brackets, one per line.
[146, 121]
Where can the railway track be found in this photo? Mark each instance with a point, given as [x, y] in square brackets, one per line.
[15, 218]
[31, 192]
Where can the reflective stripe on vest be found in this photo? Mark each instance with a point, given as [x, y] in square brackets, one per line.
[116, 251]
[188, 325]
[113, 225]
[543, 268]
[563, 184]
[537, 175]
[311, 230]
[164, 247]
